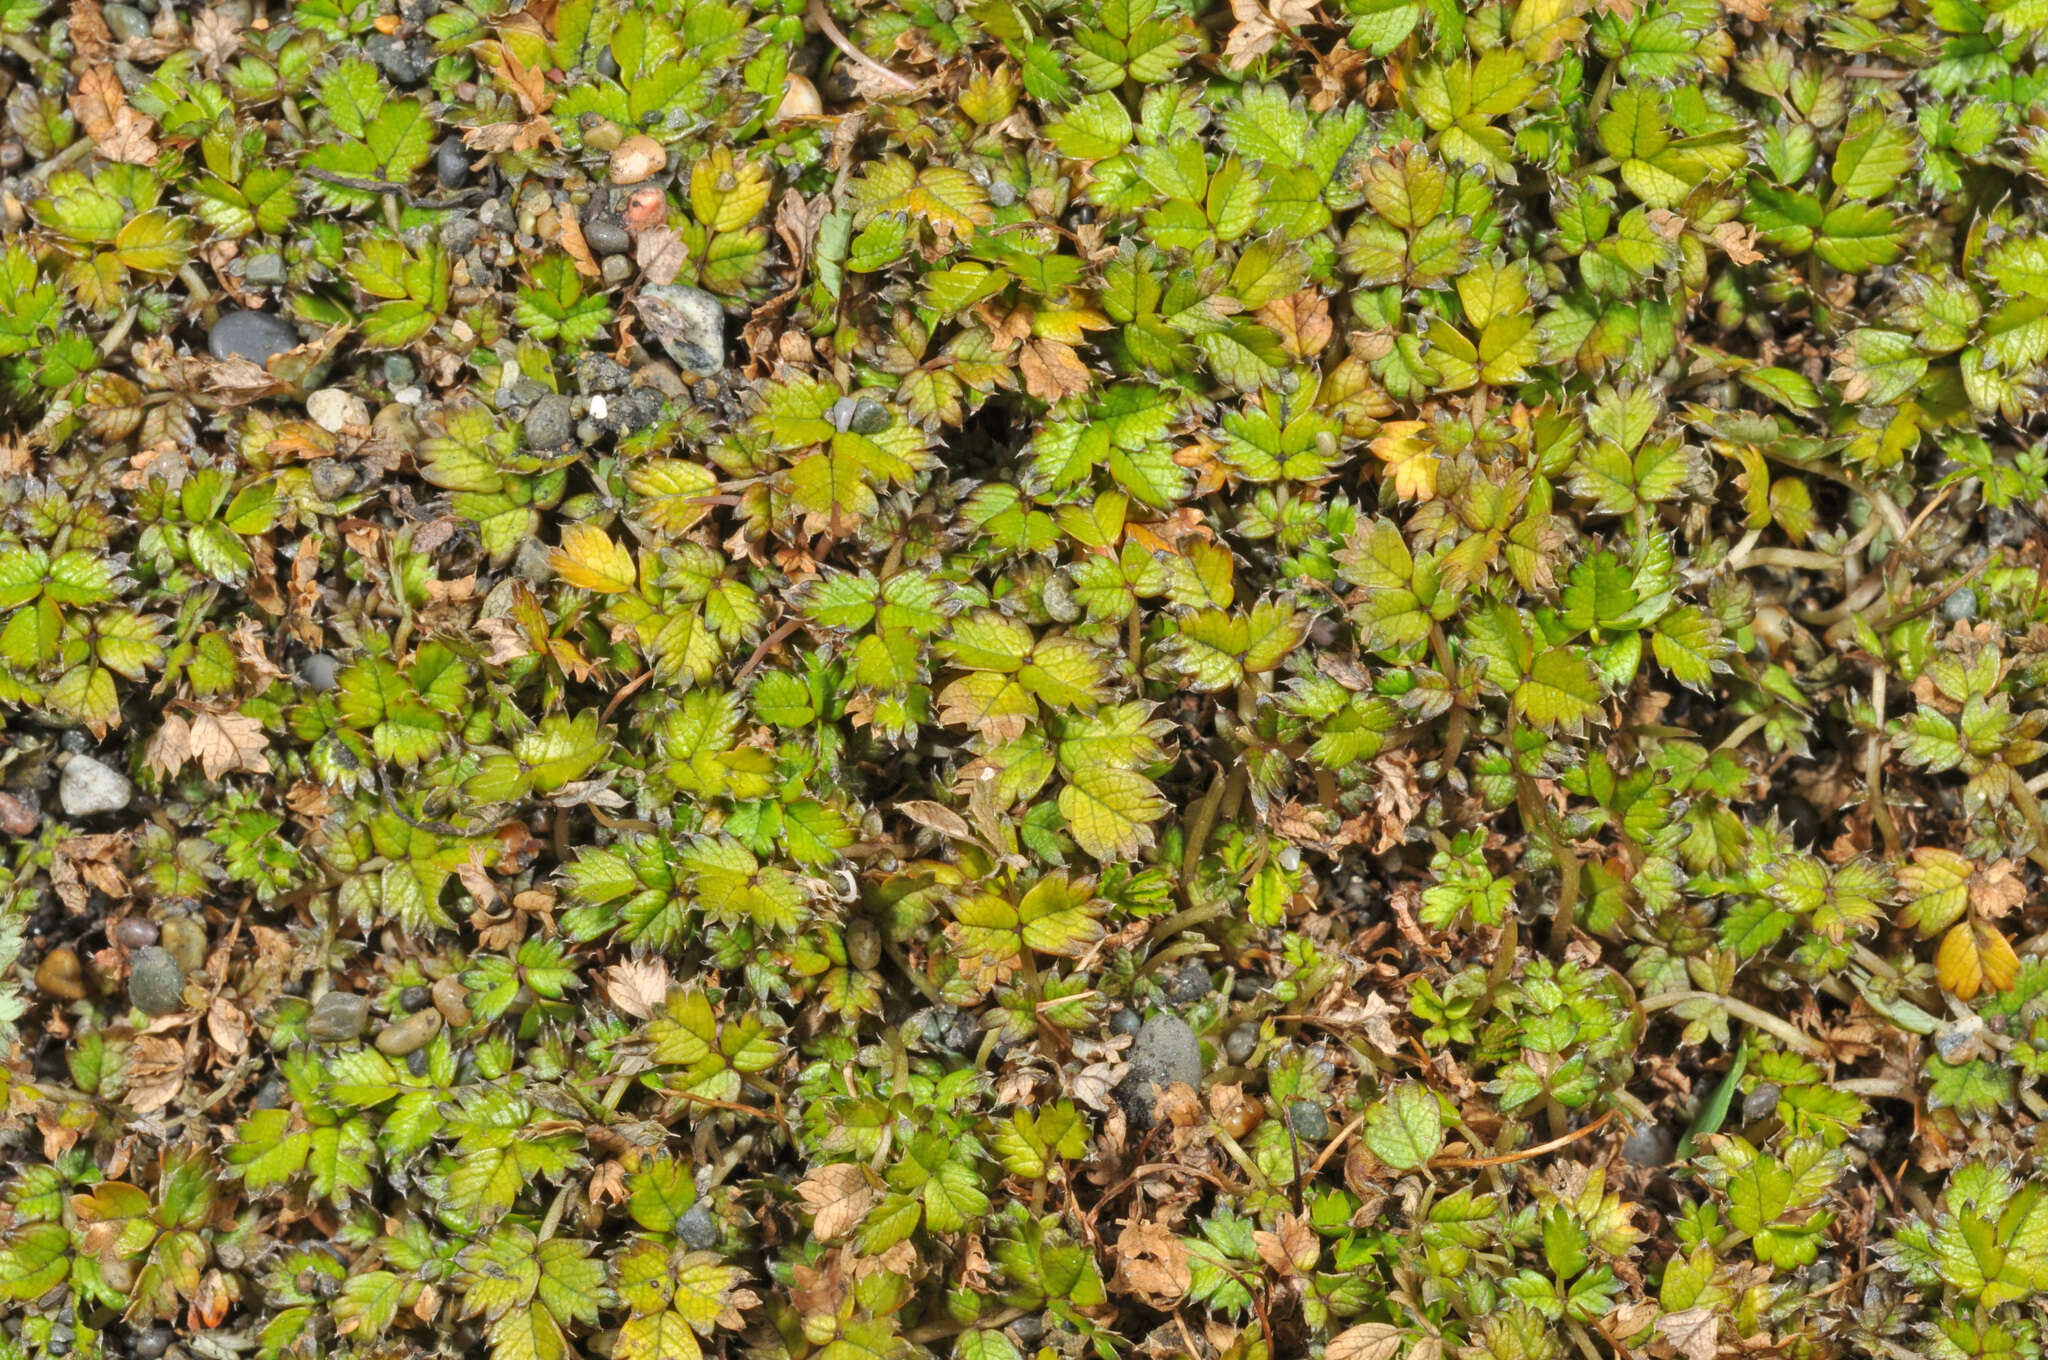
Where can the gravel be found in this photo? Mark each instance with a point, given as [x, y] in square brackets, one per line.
[90, 788]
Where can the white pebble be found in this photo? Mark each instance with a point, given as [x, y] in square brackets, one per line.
[90, 787]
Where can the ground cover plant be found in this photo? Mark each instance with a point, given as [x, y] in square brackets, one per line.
[1000, 678]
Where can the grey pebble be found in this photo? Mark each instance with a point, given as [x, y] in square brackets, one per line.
[404, 62]
[1166, 1052]
[254, 336]
[1760, 1103]
[415, 998]
[551, 423]
[451, 163]
[1960, 607]
[607, 236]
[1125, 1020]
[1240, 1044]
[616, 269]
[156, 984]
[1308, 1119]
[150, 1343]
[89, 788]
[607, 64]
[126, 23]
[265, 269]
[458, 234]
[1188, 984]
[319, 671]
[869, 417]
[588, 431]
[689, 322]
[332, 479]
[697, 1229]
[338, 1017]
[1648, 1145]
[601, 373]
[413, 1032]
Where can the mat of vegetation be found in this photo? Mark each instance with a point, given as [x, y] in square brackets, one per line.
[1357, 679]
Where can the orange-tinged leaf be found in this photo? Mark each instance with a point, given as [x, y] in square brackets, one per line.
[1974, 957]
[117, 131]
[1410, 456]
[588, 558]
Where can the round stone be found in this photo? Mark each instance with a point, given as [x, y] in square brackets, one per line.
[451, 163]
[1648, 1145]
[697, 1229]
[606, 236]
[1166, 1053]
[134, 932]
[407, 1035]
[1308, 1119]
[156, 984]
[90, 788]
[551, 423]
[254, 336]
[60, 975]
[637, 158]
[1240, 1044]
[338, 1017]
[319, 670]
[689, 322]
[334, 410]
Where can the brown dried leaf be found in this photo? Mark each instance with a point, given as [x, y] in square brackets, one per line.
[578, 249]
[660, 253]
[838, 1195]
[1737, 242]
[1152, 1262]
[1691, 1332]
[1366, 1341]
[215, 36]
[1996, 889]
[637, 986]
[228, 741]
[91, 39]
[227, 1027]
[156, 1072]
[117, 131]
[1052, 370]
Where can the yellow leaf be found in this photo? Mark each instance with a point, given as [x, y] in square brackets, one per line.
[1410, 458]
[588, 558]
[1974, 956]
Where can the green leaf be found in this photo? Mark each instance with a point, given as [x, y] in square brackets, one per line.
[1405, 1130]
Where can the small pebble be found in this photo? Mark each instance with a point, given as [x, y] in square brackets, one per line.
[90, 788]
[156, 984]
[607, 64]
[601, 373]
[334, 410]
[1308, 1119]
[415, 998]
[458, 234]
[254, 336]
[319, 670]
[338, 1017]
[1188, 984]
[451, 163]
[404, 62]
[126, 23]
[606, 236]
[551, 423]
[451, 999]
[151, 1343]
[332, 479]
[60, 975]
[1960, 607]
[1760, 1103]
[615, 270]
[637, 158]
[1240, 1044]
[409, 1034]
[869, 417]
[1648, 1145]
[185, 938]
[1125, 1020]
[689, 322]
[265, 269]
[19, 813]
[135, 932]
[1165, 1053]
[697, 1229]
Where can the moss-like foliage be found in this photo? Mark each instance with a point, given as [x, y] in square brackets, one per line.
[999, 678]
